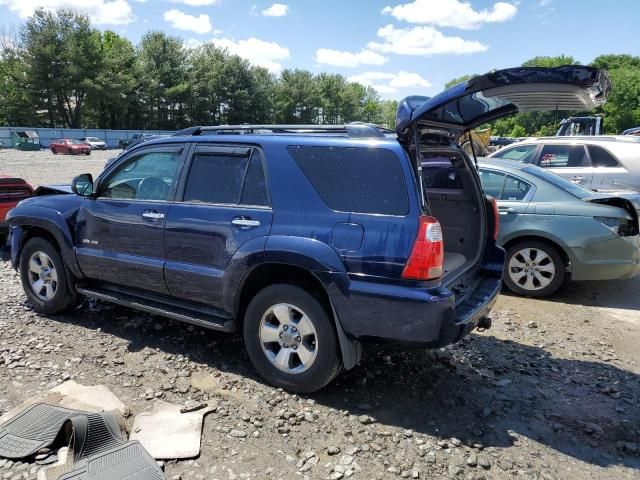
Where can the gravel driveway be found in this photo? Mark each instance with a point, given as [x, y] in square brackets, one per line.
[551, 391]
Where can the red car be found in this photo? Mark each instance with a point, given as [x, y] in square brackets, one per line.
[70, 147]
[12, 190]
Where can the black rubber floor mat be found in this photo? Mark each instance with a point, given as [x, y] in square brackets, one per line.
[100, 453]
[126, 462]
[33, 429]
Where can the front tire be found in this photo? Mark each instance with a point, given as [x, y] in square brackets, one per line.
[533, 268]
[291, 339]
[44, 277]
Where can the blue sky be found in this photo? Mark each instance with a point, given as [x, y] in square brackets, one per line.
[400, 47]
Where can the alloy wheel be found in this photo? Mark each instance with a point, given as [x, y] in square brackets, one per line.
[43, 277]
[288, 338]
[531, 269]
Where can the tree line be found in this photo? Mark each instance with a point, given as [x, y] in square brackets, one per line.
[57, 70]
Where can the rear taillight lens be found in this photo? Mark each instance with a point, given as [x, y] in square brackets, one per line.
[496, 219]
[427, 254]
[14, 194]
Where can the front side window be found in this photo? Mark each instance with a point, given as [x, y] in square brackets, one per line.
[563, 156]
[355, 179]
[147, 176]
[520, 153]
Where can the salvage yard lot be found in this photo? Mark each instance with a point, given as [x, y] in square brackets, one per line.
[552, 390]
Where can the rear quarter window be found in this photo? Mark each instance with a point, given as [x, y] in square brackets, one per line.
[355, 179]
[601, 158]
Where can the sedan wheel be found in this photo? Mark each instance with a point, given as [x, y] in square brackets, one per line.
[533, 268]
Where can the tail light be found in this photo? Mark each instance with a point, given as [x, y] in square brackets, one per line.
[496, 219]
[427, 254]
[14, 194]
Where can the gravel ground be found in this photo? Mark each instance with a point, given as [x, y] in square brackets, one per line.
[551, 391]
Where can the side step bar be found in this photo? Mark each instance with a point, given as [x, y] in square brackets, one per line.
[159, 308]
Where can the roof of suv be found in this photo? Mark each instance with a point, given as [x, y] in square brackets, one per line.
[350, 135]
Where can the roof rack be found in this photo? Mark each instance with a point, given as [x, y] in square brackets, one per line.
[355, 130]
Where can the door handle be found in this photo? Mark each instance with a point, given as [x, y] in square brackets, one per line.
[245, 222]
[153, 215]
[505, 210]
[577, 178]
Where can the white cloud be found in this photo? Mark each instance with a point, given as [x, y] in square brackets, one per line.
[259, 52]
[337, 58]
[276, 10]
[195, 3]
[451, 13]
[389, 83]
[422, 41]
[102, 12]
[182, 21]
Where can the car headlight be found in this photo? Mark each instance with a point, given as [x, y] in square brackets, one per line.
[620, 226]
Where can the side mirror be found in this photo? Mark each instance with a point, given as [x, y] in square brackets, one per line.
[82, 185]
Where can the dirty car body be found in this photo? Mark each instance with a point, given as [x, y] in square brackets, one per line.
[310, 239]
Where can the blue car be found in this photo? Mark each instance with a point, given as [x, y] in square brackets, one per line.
[308, 239]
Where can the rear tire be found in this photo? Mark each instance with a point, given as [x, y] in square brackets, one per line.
[291, 339]
[533, 268]
[54, 151]
[44, 277]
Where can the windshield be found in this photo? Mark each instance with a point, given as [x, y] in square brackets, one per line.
[93, 139]
[558, 181]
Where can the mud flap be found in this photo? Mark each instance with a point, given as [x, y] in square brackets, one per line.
[351, 350]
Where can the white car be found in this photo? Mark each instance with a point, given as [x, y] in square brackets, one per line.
[95, 142]
[605, 163]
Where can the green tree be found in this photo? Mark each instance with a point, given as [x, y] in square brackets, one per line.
[15, 103]
[297, 97]
[62, 55]
[458, 80]
[161, 68]
[622, 109]
[113, 97]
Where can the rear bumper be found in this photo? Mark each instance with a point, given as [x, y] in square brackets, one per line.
[612, 259]
[427, 317]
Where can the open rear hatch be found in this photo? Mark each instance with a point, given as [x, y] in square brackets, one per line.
[432, 124]
[504, 92]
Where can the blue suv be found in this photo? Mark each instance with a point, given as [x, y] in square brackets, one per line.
[308, 239]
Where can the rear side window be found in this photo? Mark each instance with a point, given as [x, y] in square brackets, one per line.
[503, 187]
[358, 180]
[515, 189]
[562, 156]
[219, 178]
[492, 182]
[601, 158]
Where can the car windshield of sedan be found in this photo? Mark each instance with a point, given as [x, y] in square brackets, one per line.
[558, 181]
[93, 139]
